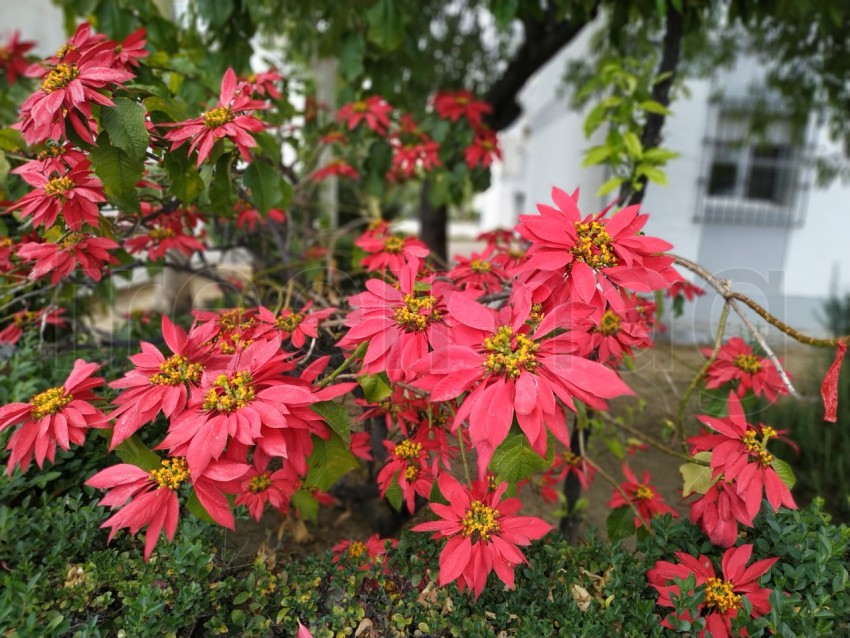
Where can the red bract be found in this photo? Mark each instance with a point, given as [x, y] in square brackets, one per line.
[407, 465]
[508, 369]
[260, 486]
[616, 327]
[362, 554]
[13, 62]
[686, 289]
[389, 252]
[739, 452]
[247, 216]
[25, 318]
[296, 326]
[719, 511]
[132, 49]
[169, 233]
[262, 84]
[69, 87]
[570, 463]
[569, 253]
[230, 119]
[829, 385]
[735, 361]
[723, 596]
[60, 260]
[158, 383]
[643, 496]
[456, 104]
[374, 111]
[484, 532]
[75, 195]
[483, 150]
[408, 158]
[339, 168]
[478, 271]
[55, 158]
[58, 416]
[399, 324]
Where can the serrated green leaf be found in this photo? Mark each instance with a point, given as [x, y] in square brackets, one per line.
[784, 471]
[376, 387]
[265, 186]
[125, 123]
[198, 510]
[597, 155]
[131, 450]
[336, 416]
[697, 478]
[514, 459]
[610, 185]
[620, 523]
[118, 172]
[386, 24]
[395, 496]
[306, 505]
[632, 143]
[329, 462]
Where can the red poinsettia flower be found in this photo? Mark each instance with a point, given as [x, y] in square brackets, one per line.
[408, 158]
[478, 271]
[235, 328]
[685, 288]
[735, 361]
[569, 253]
[338, 168]
[642, 495]
[719, 511]
[453, 105]
[484, 532]
[510, 369]
[616, 327]
[60, 260]
[388, 251]
[362, 554]
[262, 84]
[568, 462]
[248, 217]
[169, 232]
[260, 487]
[231, 119]
[158, 383]
[723, 596]
[58, 416]
[407, 465]
[739, 452]
[374, 111]
[296, 326]
[484, 149]
[399, 324]
[26, 318]
[54, 158]
[69, 88]
[132, 49]
[13, 61]
[75, 195]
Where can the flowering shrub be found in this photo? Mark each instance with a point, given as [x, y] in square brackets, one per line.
[474, 379]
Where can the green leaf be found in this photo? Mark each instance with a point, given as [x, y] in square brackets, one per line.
[306, 505]
[221, 186]
[174, 109]
[652, 173]
[198, 510]
[785, 472]
[376, 387]
[186, 182]
[216, 12]
[597, 155]
[659, 155]
[386, 24]
[125, 123]
[514, 459]
[395, 496]
[632, 142]
[504, 11]
[337, 417]
[594, 119]
[329, 462]
[118, 172]
[610, 185]
[620, 523]
[241, 597]
[651, 106]
[265, 185]
[697, 478]
[351, 56]
[11, 140]
[5, 167]
[131, 450]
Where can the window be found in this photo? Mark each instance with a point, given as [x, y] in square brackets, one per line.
[751, 178]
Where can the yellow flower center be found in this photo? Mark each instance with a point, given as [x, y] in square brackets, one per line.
[509, 353]
[417, 312]
[173, 473]
[758, 448]
[64, 50]
[71, 240]
[411, 472]
[594, 245]
[479, 266]
[719, 594]
[288, 323]
[536, 315]
[749, 363]
[6, 242]
[176, 370]
[360, 106]
[260, 483]
[159, 233]
[571, 458]
[461, 100]
[644, 493]
[393, 244]
[58, 186]
[25, 317]
[230, 393]
[54, 150]
[356, 549]
[218, 116]
[610, 324]
[49, 402]
[480, 519]
[408, 450]
[487, 145]
[59, 77]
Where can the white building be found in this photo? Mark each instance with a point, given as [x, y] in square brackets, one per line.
[751, 214]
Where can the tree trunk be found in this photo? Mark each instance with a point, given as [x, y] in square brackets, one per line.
[434, 223]
[570, 525]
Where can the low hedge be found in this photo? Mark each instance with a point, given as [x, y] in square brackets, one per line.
[58, 578]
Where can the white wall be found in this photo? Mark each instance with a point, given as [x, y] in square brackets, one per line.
[38, 20]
